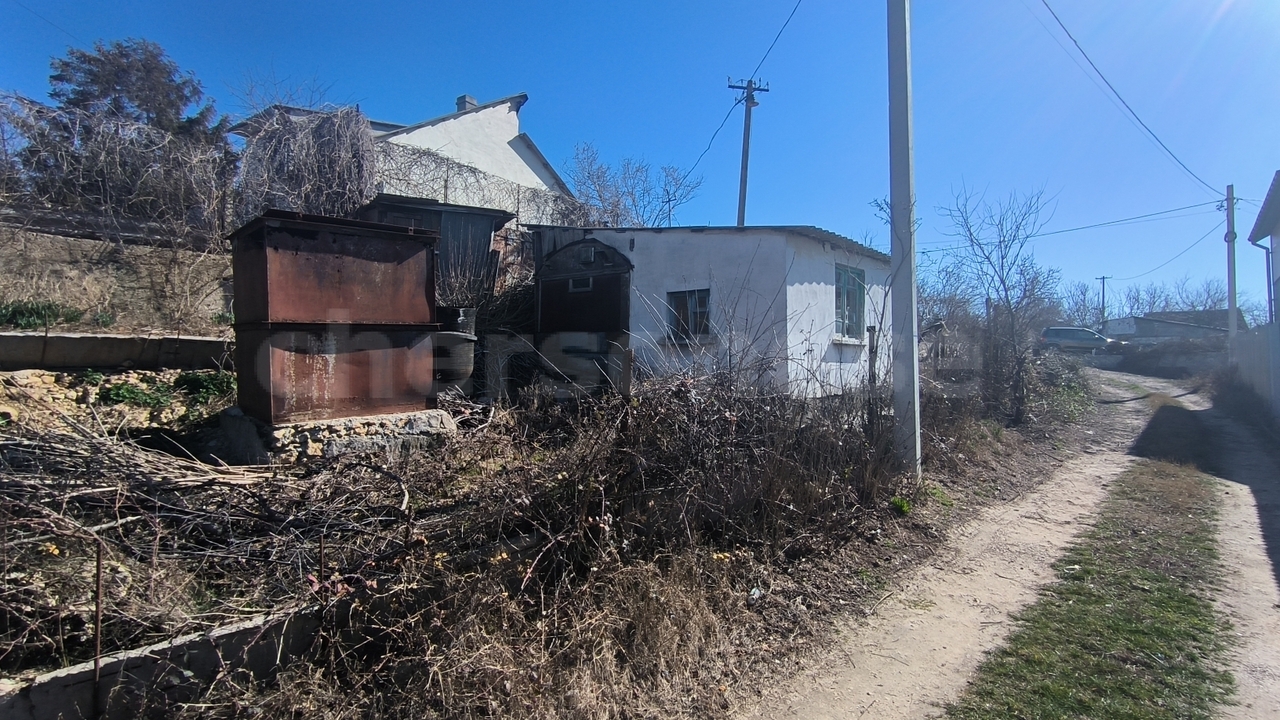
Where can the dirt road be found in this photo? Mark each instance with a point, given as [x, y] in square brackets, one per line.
[922, 645]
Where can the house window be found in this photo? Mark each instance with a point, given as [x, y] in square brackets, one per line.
[690, 314]
[851, 301]
[580, 284]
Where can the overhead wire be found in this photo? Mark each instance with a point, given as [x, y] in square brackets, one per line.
[1175, 257]
[55, 26]
[739, 101]
[1135, 220]
[775, 39]
[1151, 133]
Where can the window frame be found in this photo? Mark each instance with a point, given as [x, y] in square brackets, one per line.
[695, 324]
[588, 288]
[849, 278]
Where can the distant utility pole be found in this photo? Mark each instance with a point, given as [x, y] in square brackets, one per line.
[1104, 280]
[1232, 326]
[902, 225]
[749, 89]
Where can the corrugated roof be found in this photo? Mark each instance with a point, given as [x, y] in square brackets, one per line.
[1269, 215]
[812, 232]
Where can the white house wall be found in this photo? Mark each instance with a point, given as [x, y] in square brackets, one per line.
[821, 362]
[746, 274]
[487, 139]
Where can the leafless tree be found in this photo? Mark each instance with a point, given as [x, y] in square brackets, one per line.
[630, 195]
[1081, 305]
[1018, 294]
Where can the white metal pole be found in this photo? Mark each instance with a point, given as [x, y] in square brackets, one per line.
[906, 360]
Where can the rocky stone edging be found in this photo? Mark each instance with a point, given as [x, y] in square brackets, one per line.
[252, 441]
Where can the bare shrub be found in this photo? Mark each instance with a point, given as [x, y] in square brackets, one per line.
[590, 559]
[321, 163]
[419, 172]
[1016, 295]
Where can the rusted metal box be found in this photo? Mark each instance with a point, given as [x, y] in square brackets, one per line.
[296, 268]
[334, 318]
[296, 373]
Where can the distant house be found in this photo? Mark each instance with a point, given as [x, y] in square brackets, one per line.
[486, 137]
[475, 156]
[797, 307]
[1156, 327]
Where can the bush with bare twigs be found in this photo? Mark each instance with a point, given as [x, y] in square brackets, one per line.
[556, 560]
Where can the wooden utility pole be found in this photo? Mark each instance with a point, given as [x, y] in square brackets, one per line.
[1104, 280]
[1232, 311]
[749, 89]
[902, 225]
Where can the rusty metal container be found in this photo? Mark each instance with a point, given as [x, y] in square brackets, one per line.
[296, 268]
[334, 318]
[297, 373]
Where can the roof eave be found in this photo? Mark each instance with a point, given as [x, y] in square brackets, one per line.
[517, 101]
[1269, 216]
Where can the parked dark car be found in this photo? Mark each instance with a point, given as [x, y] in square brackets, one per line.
[1078, 339]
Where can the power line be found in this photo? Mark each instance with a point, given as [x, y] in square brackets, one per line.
[742, 99]
[1175, 257]
[50, 22]
[1136, 219]
[775, 39]
[1123, 221]
[1120, 97]
[713, 138]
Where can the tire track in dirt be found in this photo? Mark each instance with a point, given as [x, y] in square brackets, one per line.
[919, 649]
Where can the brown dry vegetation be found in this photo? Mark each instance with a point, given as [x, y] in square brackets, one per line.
[646, 557]
[118, 287]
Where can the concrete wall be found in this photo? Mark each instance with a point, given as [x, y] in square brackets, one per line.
[1256, 354]
[488, 140]
[820, 360]
[151, 678]
[25, 350]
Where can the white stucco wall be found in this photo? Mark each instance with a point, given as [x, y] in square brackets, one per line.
[487, 139]
[772, 298]
[745, 272]
[820, 361]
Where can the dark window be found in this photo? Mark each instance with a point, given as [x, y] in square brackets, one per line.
[690, 314]
[580, 284]
[851, 299]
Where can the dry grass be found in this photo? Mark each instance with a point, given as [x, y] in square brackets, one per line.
[117, 287]
[648, 557]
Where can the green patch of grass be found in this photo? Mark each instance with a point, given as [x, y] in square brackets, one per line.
[203, 387]
[34, 314]
[90, 377]
[941, 496]
[901, 504]
[157, 395]
[1129, 629]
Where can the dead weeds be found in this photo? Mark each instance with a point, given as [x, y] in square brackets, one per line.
[644, 557]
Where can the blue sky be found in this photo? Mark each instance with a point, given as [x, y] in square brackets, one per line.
[1000, 105]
